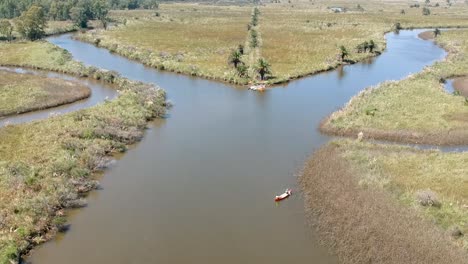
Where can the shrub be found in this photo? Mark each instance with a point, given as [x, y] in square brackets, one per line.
[427, 198]
[426, 11]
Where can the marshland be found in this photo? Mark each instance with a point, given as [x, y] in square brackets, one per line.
[196, 182]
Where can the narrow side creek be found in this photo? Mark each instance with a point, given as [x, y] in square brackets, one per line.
[199, 188]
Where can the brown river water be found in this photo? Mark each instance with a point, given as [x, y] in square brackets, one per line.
[199, 188]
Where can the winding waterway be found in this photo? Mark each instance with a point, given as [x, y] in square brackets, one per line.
[199, 188]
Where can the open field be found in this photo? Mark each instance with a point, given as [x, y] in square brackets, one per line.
[306, 41]
[355, 191]
[416, 109]
[20, 93]
[186, 38]
[47, 166]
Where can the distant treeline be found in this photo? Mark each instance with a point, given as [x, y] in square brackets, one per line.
[61, 9]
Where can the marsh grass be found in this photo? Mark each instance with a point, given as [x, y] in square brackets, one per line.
[355, 191]
[48, 165]
[297, 39]
[20, 93]
[416, 109]
[184, 38]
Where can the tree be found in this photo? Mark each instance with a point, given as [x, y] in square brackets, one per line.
[241, 49]
[436, 32]
[263, 68]
[235, 58]
[133, 4]
[253, 38]
[31, 24]
[343, 52]
[53, 10]
[427, 2]
[242, 70]
[6, 29]
[78, 15]
[426, 11]
[397, 26]
[150, 4]
[371, 45]
[402, 12]
[101, 9]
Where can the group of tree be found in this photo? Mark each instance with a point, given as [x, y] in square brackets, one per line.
[366, 46]
[62, 9]
[426, 11]
[31, 24]
[263, 68]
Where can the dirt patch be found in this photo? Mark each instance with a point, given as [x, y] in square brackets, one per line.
[426, 35]
[461, 85]
[366, 225]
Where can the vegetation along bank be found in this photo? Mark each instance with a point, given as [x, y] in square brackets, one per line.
[48, 165]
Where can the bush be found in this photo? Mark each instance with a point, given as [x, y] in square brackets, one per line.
[426, 11]
[428, 198]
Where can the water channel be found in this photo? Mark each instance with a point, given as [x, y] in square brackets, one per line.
[199, 188]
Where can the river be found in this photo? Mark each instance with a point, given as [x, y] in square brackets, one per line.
[199, 188]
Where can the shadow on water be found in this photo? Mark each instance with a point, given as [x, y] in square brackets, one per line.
[200, 186]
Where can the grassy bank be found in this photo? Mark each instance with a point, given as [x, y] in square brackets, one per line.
[21, 93]
[355, 191]
[184, 38]
[307, 40]
[416, 109]
[47, 166]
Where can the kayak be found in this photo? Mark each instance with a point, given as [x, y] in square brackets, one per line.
[283, 196]
[260, 87]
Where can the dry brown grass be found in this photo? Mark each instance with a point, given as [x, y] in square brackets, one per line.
[366, 224]
[187, 38]
[21, 93]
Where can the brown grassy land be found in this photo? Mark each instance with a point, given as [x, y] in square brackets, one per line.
[48, 165]
[416, 109]
[354, 193]
[186, 38]
[297, 38]
[20, 93]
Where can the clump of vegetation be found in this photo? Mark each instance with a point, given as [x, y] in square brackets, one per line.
[428, 198]
[52, 170]
[343, 53]
[31, 24]
[366, 46]
[6, 29]
[426, 11]
[263, 68]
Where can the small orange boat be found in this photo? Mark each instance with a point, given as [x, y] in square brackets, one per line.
[260, 87]
[283, 196]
